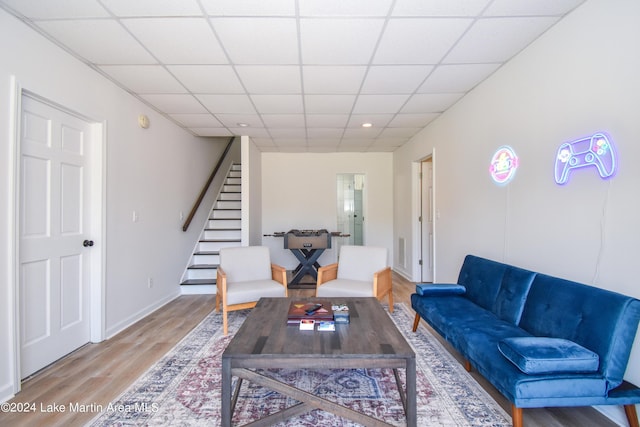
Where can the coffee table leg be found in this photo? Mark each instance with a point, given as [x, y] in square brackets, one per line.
[226, 393]
[411, 409]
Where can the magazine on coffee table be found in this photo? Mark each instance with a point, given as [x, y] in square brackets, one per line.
[317, 310]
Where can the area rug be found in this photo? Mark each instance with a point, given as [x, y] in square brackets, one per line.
[183, 388]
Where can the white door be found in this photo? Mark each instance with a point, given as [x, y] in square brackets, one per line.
[53, 217]
[427, 220]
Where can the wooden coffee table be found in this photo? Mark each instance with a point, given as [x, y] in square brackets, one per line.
[264, 341]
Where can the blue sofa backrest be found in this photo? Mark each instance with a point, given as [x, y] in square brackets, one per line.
[495, 286]
[602, 321]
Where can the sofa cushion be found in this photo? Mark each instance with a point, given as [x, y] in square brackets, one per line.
[512, 294]
[425, 289]
[543, 355]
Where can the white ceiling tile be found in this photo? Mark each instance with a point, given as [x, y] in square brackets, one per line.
[263, 142]
[395, 78]
[355, 142]
[531, 8]
[234, 120]
[171, 40]
[377, 120]
[215, 79]
[323, 133]
[399, 132]
[288, 133]
[333, 79]
[456, 78]
[329, 104]
[439, 7]
[268, 79]
[153, 7]
[324, 142]
[412, 120]
[361, 133]
[327, 120]
[171, 104]
[99, 41]
[229, 104]
[67, 9]
[210, 131]
[259, 40]
[196, 120]
[284, 120]
[497, 39]
[344, 8]
[278, 104]
[249, 7]
[338, 41]
[144, 78]
[430, 103]
[379, 103]
[389, 142]
[419, 40]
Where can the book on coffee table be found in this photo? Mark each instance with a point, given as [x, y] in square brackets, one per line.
[299, 310]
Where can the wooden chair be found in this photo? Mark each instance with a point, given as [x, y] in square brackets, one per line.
[245, 275]
[361, 271]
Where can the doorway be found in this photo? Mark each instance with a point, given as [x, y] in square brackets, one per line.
[350, 207]
[58, 233]
[426, 221]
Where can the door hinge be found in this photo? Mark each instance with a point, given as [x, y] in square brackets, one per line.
[419, 262]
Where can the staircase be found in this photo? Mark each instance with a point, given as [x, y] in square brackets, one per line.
[222, 229]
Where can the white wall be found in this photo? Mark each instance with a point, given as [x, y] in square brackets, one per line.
[579, 78]
[299, 191]
[156, 172]
[251, 193]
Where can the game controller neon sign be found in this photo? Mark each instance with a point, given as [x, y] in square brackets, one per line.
[595, 150]
[503, 165]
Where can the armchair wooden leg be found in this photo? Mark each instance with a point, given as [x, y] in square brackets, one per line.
[632, 415]
[224, 321]
[416, 322]
[516, 416]
[390, 301]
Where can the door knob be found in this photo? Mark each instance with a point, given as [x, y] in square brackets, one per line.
[87, 243]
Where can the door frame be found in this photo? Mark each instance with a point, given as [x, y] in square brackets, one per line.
[97, 224]
[417, 184]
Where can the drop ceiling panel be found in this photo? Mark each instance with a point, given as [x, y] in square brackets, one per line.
[250, 7]
[395, 78]
[270, 79]
[333, 79]
[144, 78]
[99, 41]
[197, 120]
[344, 8]
[170, 104]
[284, 120]
[171, 40]
[259, 40]
[529, 8]
[230, 104]
[278, 104]
[456, 78]
[203, 79]
[379, 103]
[236, 120]
[329, 104]
[497, 39]
[149, 8]
[439, 7]
[68, 9]
[327, 120]
[419, 40]
[339, 41]
[430, 103]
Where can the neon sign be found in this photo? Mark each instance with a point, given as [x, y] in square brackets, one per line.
[503, 165]
[595, 150]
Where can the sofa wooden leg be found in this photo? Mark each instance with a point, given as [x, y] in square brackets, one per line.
[467, 365]
[416, 322]
[516, 416]
[632, 415]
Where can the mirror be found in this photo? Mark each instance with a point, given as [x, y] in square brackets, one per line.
[350, 191]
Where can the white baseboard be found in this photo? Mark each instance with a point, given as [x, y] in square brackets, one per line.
[124, 324]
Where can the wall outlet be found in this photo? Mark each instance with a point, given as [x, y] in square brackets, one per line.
[150, 282]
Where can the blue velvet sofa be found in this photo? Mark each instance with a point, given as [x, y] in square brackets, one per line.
[541, 341]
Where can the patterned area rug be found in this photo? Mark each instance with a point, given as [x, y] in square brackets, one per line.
[183, 388]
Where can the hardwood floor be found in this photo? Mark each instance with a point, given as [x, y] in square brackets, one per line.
[96, 374]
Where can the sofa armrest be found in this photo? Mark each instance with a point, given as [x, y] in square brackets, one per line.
[439, 289]
[279, 274]
[327, 273]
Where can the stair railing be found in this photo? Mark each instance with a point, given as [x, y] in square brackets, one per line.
[198, 201]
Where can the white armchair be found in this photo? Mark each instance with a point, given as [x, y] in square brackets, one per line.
[361, 271]
[245, 275]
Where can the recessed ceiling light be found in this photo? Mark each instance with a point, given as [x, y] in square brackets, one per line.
[367, 125]
[243, 125]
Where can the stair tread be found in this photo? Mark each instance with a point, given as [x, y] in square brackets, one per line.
[203, 266]
[223, 229]
[199, 282]
[220, 240]
[207, 253]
